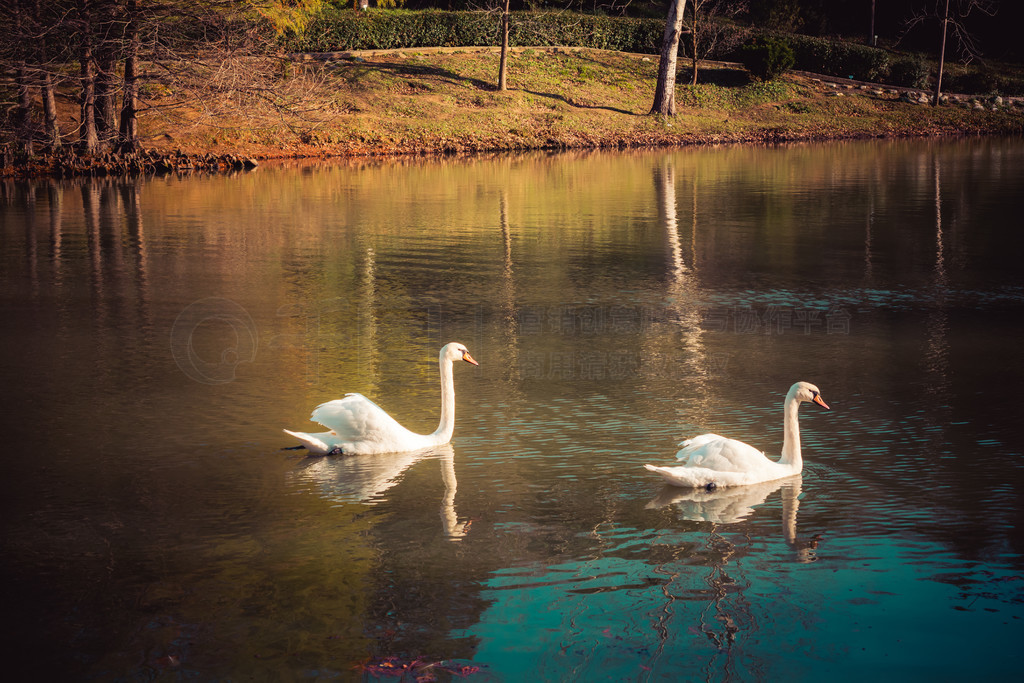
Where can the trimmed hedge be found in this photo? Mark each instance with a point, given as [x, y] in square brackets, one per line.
[337, 30]
[340, 30]
[838, 58]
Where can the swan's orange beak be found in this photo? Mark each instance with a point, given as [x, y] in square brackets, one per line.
[469, 359]
[821, 402]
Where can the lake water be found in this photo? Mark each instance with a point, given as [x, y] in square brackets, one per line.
[158, 335]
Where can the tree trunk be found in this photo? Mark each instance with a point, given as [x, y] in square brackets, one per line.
[23, 111]
[106, 116]
[87, 127]
[46, 87]
[694, 32]
[50, 126]
[665, 93]
[22, 118]
[503, 64]
[871, 29]
[942, 57]
[128, 131]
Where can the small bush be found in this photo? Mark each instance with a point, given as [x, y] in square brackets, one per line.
[767, 58]
[838, 58]
[911, 71]
[974, 82]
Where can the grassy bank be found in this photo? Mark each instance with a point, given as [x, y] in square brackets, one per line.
[435, 101]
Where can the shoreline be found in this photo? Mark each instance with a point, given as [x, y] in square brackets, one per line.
[152, 163]
[439, 102]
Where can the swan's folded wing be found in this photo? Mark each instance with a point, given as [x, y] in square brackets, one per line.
[720, 454]
[356, 418]
[698, 441]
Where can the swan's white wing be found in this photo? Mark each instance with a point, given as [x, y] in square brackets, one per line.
[360, 425]
[699, 440]
[721, 454]
[688, 477]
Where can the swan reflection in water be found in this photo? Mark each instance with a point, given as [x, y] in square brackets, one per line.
[734, 504]
[365, 479]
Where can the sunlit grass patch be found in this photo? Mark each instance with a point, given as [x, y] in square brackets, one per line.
[440, 101]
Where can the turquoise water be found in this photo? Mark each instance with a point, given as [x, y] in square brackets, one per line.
[160, 333]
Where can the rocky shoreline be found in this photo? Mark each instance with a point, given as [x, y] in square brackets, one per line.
[70, 164]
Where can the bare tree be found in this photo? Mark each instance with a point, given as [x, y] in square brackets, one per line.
[665, 93]
[871, 28]
[952, 16]
[210, 52]
[106, 88]
[87, 135]
[46, 80]
[23, 108]
[708, 32]
[128, 128]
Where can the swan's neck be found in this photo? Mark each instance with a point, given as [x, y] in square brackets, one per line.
[446, 426]
[791, 435]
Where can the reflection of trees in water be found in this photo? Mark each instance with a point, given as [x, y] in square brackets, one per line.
[682, 293]
[421, 589]
[365, 479]
[936, 354]
[367, 357]
[508, 303]
[115, 245]
[727, 611]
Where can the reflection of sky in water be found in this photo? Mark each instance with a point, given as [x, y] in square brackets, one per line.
[742, 605]
[860, 299]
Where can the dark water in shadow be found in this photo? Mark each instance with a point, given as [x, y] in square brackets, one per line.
[159, 334]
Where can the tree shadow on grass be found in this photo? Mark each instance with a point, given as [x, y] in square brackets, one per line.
[402, 69]
[358, 68]
[571, 103]
[726, 77]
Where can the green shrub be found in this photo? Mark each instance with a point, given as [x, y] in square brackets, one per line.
[767, 58]
[838, 58]
[977, 81]
[338, 30]
[342, 29]
[911, 71]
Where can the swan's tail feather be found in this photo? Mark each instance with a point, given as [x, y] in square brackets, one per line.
[311, 443]
[685, 477]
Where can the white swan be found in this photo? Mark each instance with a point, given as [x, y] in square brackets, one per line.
[358, 426]
[713, 461]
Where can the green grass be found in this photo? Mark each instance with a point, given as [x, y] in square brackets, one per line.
[435, 101]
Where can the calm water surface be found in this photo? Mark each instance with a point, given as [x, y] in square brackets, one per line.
[158, 335]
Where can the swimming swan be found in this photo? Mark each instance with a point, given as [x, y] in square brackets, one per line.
[358, 426]
[713, 461]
